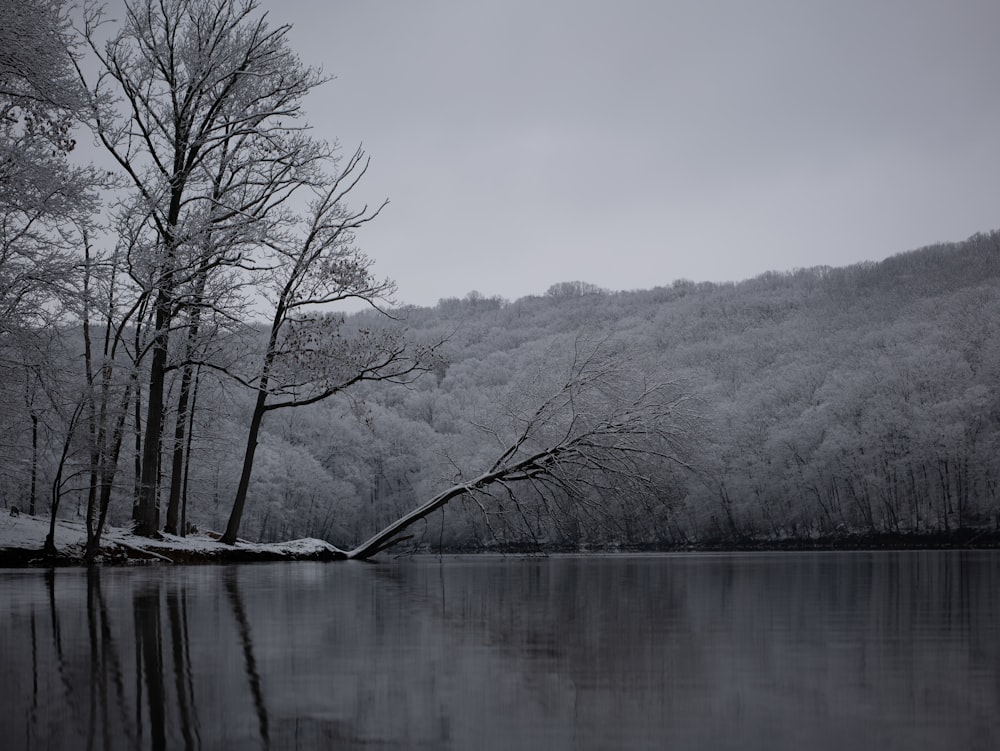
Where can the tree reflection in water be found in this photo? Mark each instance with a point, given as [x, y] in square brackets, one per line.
[821, 651]
[250, 663]
[130, 683]
[183, 684]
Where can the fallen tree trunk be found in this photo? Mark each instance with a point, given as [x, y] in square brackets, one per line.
[520, 471]
[604, 428]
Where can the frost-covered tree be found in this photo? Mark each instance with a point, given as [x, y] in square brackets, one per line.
[199, 102]
[310, 355]
[42, 193]
[46, 207]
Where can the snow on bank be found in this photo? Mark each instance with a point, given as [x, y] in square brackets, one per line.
[28, 532]
[22, 533]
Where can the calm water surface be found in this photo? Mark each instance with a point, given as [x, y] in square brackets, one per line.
[745, 651]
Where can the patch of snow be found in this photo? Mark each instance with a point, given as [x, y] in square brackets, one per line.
[304, 546]
[29, 532]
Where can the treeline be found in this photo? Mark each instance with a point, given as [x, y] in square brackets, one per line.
[829, 401]
[856, 400]
[826, 402]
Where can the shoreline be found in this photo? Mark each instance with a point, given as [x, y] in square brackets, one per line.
[21, 540]
[115, 556]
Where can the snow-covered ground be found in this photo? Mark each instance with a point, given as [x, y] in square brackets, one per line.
[25, 532]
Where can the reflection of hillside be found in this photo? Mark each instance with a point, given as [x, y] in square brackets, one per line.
[747, 643]
[811, 651]
[684, 651]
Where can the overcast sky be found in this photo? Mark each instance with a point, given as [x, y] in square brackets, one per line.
[629, 143]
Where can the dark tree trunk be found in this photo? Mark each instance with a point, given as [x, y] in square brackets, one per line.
[177, 455]
[187, 455]
[146, 513]
[33, 493]
[236, 515]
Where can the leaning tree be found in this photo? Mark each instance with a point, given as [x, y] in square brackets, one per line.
[603, 429]
[310, 355]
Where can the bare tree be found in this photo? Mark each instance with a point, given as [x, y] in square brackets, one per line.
[190, 90]
[309, 356]
[110, 310]
[603, 431]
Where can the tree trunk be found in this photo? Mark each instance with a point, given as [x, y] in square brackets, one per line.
[108, 472]
[259, 407]
[146, 512]
[95, 431]
[236, 515]
[187, 454]
[49, 547]
[391, 534]
[137, 443]
[33, 492]
[530, 466]
[177, 455]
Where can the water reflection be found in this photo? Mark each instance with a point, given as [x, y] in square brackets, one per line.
[819, 651]
[250, 663]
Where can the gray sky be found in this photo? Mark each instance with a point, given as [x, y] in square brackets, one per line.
[629, 143]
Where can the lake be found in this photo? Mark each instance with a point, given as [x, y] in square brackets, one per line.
[896, 650]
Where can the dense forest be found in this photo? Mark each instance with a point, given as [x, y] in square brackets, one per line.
[826, 401]
[820, 402]
[172, 353]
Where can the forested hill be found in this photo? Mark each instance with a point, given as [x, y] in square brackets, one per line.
[830, 400]
[824, 402]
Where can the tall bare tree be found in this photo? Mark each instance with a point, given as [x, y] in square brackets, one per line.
[189, 90]
[309, 356]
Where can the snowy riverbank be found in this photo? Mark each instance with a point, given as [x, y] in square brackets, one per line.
[22, 538]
